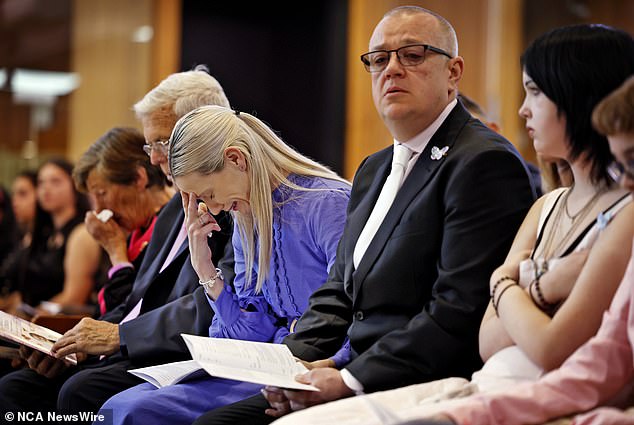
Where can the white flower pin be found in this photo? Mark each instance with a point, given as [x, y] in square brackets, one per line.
[437, 154]
[603, 219]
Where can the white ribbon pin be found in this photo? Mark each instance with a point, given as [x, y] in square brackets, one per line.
[437, 154]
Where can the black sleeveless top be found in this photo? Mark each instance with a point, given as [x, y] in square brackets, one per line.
[37, 271]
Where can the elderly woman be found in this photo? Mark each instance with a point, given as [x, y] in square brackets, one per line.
[289, 214]
[119, 177]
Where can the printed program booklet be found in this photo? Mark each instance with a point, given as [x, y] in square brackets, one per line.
[257, 362]
[20, 331]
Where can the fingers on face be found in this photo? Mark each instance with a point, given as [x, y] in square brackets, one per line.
[192, 205]
[184, 200]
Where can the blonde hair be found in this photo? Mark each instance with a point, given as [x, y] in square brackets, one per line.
[198, 143]
[183, 92]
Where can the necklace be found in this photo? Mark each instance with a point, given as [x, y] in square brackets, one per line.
[550, 247]
[587, 206]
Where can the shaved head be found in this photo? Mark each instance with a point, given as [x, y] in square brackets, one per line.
[447, 35]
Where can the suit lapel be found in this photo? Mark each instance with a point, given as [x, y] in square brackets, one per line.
[358, 219]
[168, 238]
[164, 235]
[415, 182]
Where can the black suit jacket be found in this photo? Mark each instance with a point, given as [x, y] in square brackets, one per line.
[173, 303]
[412, 308]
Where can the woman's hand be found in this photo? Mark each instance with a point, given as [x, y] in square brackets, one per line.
[199, 223]
[110, 236]
[556, 284]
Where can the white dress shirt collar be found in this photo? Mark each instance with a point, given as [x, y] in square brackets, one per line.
[419, 142]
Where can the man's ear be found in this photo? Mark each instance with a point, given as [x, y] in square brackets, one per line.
[455, 67]
[142, 179]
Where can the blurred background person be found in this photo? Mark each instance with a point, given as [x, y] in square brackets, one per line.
[60, 264]
[24, 208]
[117, 174]
[24, 204]
[8, 233]
[477, 111]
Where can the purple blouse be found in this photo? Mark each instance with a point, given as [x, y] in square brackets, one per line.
[307, 226]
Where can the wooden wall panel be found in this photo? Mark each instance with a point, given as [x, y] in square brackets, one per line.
[114, 70]
[365, 132]
[503, 74]
[166, 45]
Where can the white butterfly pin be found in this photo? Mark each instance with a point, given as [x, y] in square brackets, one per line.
[437, 154]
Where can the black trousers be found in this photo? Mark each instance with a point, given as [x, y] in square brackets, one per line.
[82, 389]
[249, 411]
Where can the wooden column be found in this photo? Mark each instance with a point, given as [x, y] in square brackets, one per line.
[116, 64]
[365, 132]
[166, 45]
[503, 75]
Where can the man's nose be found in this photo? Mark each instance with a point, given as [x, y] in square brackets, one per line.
[393, 64]
[157, 157]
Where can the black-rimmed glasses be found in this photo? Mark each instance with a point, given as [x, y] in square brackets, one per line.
[160, 145]
[411, 55]
[617, 171]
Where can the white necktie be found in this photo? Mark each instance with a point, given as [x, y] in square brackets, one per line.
[402, 154]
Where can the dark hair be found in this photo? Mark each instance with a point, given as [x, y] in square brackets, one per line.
[43, 226]
[30, 175]
[8, 228]
[116, 156]
[82, 204]
[575, 67]
[40, 215]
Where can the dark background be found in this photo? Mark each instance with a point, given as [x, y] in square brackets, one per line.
[281, 61]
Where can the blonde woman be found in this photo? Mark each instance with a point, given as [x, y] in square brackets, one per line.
[289, 213]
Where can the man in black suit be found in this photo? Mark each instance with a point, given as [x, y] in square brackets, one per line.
[410, 292]
[165, 300]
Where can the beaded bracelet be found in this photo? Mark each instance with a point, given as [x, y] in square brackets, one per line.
[496, 284]
[496, 305]
[540, 296]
